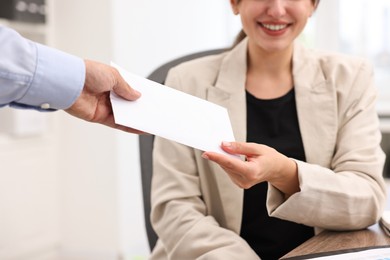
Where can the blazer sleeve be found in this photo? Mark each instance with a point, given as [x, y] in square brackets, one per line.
[351, 193]
[179, 215]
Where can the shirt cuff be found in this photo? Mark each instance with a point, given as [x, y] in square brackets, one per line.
[58, 80]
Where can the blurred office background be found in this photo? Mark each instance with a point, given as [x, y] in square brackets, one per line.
[71, 190]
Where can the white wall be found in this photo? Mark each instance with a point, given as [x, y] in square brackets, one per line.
[327, 19]
[29, 196]
[87, 151]
[152, 32]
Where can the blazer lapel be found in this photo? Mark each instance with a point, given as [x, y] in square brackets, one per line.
[229, 92]
[316, 107]
[229, 89]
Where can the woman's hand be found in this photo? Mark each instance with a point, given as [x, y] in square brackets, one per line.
[262, 163]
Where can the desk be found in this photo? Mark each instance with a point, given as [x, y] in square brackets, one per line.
[332, 241]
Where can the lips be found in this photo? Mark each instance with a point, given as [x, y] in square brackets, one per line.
[274, 27]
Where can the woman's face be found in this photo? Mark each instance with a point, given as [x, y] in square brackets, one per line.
[273, 25]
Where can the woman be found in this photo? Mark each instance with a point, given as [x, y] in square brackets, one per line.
[306, 127]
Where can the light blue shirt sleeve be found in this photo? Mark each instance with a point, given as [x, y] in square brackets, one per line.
[36, 76]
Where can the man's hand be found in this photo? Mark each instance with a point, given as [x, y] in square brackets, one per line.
[94, 103]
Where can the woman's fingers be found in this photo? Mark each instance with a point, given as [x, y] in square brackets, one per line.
[241, 148]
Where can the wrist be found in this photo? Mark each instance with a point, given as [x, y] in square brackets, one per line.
[287, 177]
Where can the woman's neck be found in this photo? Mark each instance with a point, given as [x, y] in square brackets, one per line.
[269, 74]
[269, 62]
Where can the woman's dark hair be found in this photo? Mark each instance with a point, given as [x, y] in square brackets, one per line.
[241, 35]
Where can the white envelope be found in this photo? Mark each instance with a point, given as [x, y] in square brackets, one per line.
[172, 114]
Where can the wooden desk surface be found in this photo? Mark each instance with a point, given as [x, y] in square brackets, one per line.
[328, 241]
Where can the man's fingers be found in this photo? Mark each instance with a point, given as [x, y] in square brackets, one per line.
[122, 89]
[125, 91]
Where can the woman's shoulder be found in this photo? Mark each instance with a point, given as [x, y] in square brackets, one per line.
[343, 72]
[332, 61]
[196, 75]
[203, 67]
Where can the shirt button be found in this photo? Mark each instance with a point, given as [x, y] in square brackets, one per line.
[45, 106]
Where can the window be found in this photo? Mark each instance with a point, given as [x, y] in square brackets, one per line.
[365, 31]
[356, 27]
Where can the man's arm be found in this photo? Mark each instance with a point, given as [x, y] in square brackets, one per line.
[35, 76]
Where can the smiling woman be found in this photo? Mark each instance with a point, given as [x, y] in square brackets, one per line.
[296, 114]
[241, 35]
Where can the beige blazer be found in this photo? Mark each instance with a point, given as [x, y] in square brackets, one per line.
[196, 208]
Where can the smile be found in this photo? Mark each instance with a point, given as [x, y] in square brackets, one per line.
[274, 27]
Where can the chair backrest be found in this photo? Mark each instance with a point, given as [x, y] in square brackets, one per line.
[146, 142]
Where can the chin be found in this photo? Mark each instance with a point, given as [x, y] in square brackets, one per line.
[275, 47]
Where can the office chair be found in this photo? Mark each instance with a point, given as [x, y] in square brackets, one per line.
[146, 142]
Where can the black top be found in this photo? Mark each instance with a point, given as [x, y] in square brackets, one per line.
[274, 123]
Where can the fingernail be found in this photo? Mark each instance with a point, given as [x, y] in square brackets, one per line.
[137, 93]
[204, 156]
[226, 144]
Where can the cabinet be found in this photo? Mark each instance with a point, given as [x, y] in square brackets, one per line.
[28, 17]
[29, 11]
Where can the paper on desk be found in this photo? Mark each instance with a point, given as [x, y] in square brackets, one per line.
[172, 114]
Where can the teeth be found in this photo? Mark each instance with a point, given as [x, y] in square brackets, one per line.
[275, 27]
